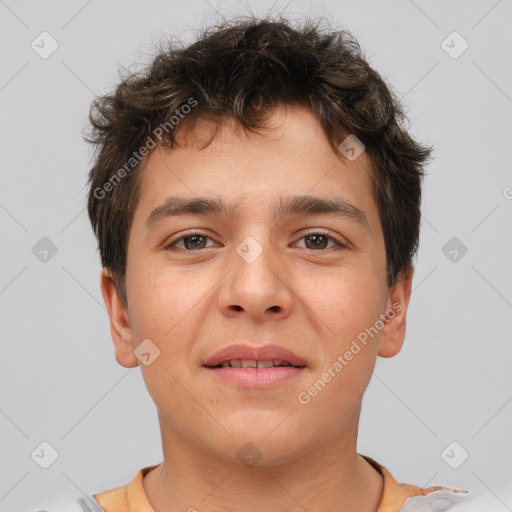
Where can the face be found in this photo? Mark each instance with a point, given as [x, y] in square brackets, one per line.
[311, 281]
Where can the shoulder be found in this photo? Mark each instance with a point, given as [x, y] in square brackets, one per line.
[449, 501]
[78, 504]
[127, 497]
[404, 497]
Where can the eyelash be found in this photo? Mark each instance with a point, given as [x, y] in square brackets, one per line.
[340, 245]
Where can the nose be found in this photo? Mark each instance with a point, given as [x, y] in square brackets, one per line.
[258, 285]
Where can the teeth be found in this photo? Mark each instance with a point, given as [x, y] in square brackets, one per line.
[265, 364]
[249, 363]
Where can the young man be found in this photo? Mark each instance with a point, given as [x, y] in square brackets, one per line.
[256, 201]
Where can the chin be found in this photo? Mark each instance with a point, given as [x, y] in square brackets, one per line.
[265, 440]
[261, 454]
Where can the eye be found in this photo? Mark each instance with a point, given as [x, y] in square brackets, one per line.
[318, 240]
[195, 241]
[192, 242]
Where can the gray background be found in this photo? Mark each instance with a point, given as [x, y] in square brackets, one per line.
[60, 382]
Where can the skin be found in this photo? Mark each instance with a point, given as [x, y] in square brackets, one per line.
[312, 301]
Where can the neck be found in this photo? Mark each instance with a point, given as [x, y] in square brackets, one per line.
[330, 477]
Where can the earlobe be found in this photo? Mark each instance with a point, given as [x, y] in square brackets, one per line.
[393, 333]
[120, 328]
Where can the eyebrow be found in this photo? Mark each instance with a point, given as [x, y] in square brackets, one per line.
[283, 207]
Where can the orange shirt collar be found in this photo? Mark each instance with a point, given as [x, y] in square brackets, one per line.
[132, 498]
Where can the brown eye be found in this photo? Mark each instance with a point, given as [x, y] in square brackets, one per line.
[194, 242]
[318, 241]
[191, 242]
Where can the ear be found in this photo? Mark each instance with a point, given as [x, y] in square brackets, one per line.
[393, 332]
[120, 328]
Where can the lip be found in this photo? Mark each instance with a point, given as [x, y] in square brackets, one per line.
[263, 353]
[255, 378]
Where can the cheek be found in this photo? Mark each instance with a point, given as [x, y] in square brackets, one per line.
[349, 301]
[165, 312]
[350, 311]
[165, 297]
[338, 387]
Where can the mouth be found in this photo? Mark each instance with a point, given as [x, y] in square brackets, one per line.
[247, 356]
[252, 363]
[254, 377]
[245, 366]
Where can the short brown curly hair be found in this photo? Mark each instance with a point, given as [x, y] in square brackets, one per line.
[243, 69]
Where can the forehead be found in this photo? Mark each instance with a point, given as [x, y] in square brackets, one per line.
[291, 156]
